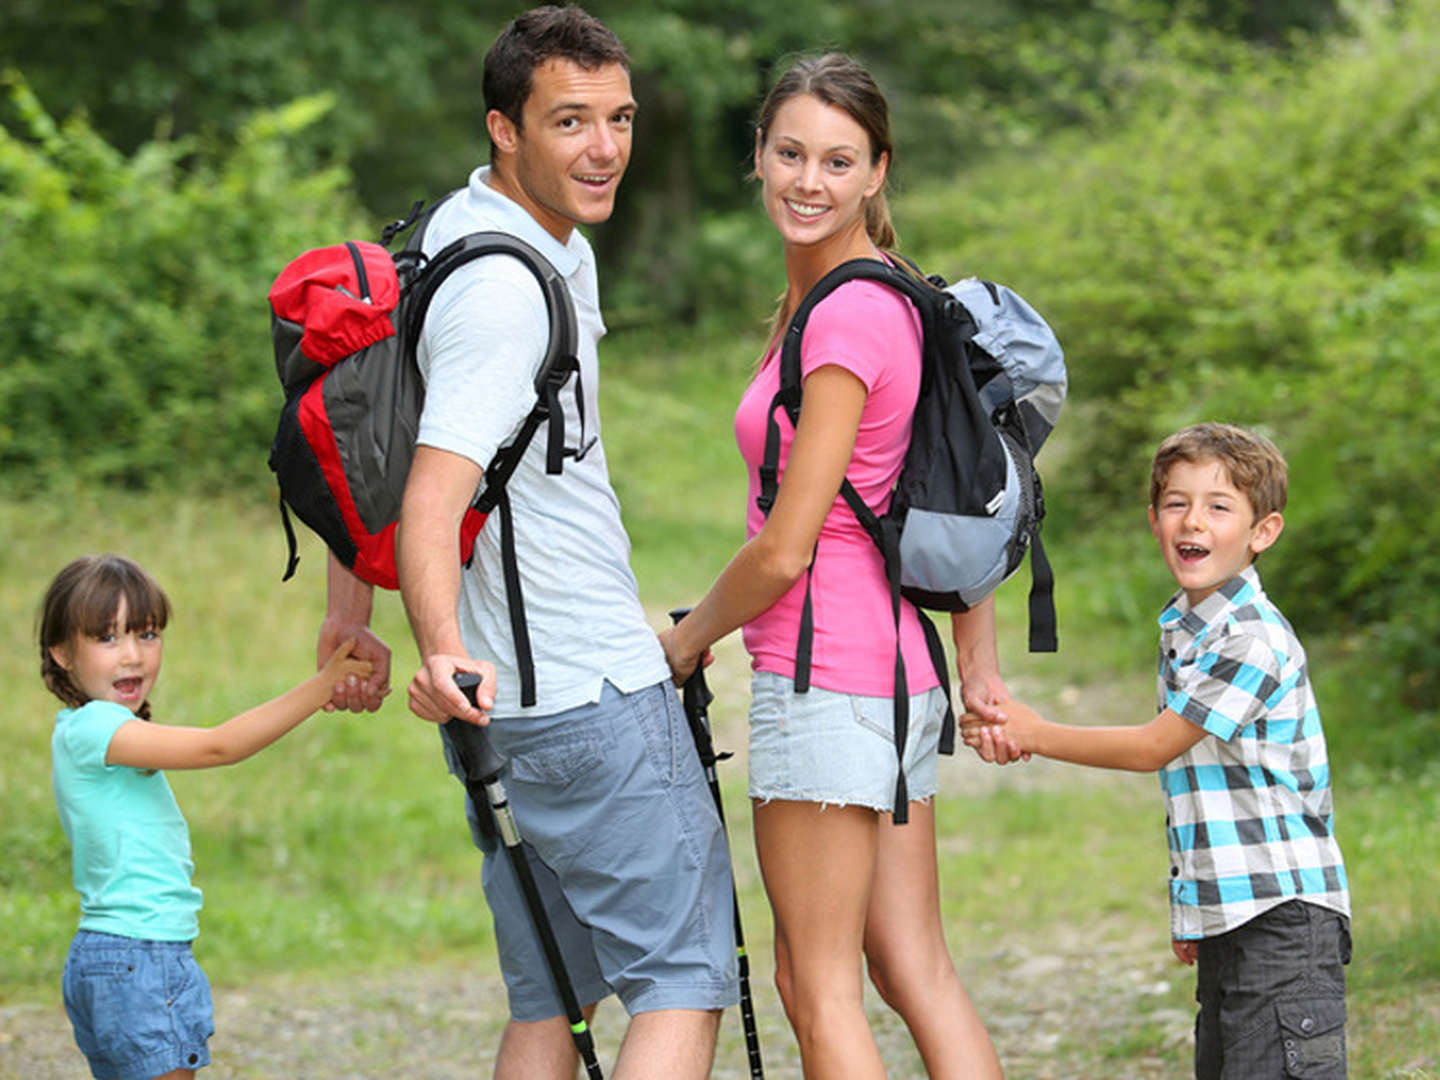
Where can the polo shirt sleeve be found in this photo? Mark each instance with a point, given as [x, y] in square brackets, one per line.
[484, 338]
[1227, 684]
[88, 731]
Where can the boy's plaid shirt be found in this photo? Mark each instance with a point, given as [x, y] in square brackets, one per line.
[1249, 809]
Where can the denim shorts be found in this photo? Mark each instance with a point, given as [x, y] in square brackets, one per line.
[1272, 996]
[828, 747]
[621, 834]
[139, 1008]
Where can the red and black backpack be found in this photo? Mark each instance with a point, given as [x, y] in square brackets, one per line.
[345, 321]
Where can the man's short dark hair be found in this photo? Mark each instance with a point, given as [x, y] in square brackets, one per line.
[563, 32]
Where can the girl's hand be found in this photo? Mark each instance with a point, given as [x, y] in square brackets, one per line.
[342, 665]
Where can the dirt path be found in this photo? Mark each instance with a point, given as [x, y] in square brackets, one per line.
[1034, 989]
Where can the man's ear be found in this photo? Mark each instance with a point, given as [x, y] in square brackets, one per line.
[503, 132]
[1266, 531]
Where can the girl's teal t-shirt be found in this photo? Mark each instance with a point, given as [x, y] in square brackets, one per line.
[130, 843]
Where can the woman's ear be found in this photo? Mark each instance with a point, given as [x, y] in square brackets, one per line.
[877, 181]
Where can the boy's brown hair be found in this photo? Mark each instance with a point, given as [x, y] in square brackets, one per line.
[1255, 466]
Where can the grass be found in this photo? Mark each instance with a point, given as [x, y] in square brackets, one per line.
[342, 849]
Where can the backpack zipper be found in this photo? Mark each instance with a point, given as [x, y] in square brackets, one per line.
[364, 281]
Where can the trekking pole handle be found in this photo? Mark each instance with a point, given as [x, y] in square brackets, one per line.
[481, 761]
[697, 692]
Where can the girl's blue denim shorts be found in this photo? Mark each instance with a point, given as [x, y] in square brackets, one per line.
[139, 1008]
[833, 748]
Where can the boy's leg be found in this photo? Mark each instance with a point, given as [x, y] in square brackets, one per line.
[1280, 994]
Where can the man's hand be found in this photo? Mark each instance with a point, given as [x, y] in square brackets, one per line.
[435, 697]
[352, 693]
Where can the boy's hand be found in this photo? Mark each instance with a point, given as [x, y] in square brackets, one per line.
[1008, 738]
[342, 665]
[1187, 952]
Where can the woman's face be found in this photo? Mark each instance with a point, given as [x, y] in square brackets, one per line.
[816, 171]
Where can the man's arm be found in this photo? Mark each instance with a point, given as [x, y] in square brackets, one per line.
[440, 488]
[347, 617]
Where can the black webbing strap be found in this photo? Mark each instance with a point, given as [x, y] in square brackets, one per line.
[293, 560]
[515, 601]
[942, 671]
[1043, 637]
[804, 647]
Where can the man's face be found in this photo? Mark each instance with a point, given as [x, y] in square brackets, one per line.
[565, 161]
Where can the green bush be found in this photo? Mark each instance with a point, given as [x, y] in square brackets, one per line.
[132, 297]
[1263, 249]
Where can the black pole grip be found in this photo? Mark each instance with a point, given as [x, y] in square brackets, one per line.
[481, 761]
[696, 692]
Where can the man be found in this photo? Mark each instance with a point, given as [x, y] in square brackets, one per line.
[605, 785]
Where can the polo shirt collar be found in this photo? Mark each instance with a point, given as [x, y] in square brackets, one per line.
[513, 218]
[1237, 592]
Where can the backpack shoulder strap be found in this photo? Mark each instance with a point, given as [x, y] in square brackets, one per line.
[559, 363]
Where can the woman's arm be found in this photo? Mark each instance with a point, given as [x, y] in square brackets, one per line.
[765, 568]
[141, 744]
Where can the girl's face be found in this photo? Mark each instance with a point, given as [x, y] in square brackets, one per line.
[120, 665]
[816, 171]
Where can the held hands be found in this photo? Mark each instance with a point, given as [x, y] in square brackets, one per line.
[352, 691]
[1002, 733]
[343, 665]
[986, 701]
[435, 697]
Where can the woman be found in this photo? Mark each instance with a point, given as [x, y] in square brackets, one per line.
[841, 877]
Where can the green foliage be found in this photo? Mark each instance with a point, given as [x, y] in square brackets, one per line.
[1260, 249]
[133, 289]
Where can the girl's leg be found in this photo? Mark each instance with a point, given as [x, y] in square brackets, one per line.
[908, 960]
[817, 863]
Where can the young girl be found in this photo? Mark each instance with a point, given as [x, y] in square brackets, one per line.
[842, 879]
[139, 1003]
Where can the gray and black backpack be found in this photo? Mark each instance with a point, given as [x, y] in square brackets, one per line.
[968, 503]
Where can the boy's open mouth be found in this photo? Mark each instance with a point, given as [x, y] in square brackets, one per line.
[1192, 552]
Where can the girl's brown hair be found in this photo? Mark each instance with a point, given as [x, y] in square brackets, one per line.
[83, 600]
[841, 81]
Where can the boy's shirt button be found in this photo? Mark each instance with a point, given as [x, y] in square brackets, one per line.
[1174, 871]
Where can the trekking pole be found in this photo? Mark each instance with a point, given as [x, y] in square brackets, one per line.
[697, 697]
[482, 764]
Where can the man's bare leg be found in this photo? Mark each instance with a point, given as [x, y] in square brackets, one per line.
[678, 1044]
[539, 1050]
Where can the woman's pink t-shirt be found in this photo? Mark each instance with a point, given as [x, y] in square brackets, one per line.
[874, 333]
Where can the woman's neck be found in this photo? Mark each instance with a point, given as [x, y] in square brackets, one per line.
[806, 265]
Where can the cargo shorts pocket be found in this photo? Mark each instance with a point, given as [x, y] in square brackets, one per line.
[1312, 1036]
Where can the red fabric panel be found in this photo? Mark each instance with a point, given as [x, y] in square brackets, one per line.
[375, 552]
[337, 323]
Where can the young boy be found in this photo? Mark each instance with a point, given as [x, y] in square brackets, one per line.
[1258, 891]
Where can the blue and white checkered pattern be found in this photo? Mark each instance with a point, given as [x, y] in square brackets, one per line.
[1249, 811]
